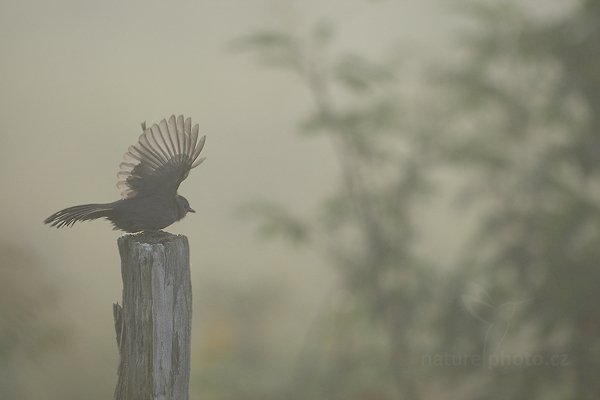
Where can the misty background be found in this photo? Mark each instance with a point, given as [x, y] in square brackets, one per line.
[400, 199]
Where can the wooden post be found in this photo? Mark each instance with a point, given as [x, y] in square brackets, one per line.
[154, 323]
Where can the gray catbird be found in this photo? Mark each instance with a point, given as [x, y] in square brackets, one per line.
[149, 178]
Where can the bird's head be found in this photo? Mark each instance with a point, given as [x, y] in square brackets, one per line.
[183, 207]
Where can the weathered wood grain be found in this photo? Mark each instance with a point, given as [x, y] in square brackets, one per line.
[153, 324]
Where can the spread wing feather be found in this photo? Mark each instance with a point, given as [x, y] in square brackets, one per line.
[161, 159]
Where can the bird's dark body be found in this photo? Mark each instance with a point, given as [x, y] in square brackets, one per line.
[153, 170]
[145, 213]
[148, 213]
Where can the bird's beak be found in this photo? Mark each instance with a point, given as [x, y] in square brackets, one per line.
[191, 210]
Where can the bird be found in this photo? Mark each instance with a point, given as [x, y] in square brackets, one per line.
[496, 316]
[149, 178]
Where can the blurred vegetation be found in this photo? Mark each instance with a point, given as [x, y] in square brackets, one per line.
[526, 106]
[366, 228]
[516, 118]
[29, 328]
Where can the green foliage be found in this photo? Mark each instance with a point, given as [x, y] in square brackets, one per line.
[366, 229]
[273, 48]
[27, 328]
[530, 116]
[520, 127]
[276, 221]
[361, 75]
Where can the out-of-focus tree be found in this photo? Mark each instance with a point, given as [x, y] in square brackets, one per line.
[28, 328]
[520, 126]
[370, 345]
[525, 133]
[237, 351]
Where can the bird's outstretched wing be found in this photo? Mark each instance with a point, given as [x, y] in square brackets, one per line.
[161, 159]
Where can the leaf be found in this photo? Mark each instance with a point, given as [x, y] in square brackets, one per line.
[273, 48]
[273, 220]
[323, 31]
[359, 74]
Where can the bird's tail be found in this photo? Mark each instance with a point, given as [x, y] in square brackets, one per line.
[86, 212]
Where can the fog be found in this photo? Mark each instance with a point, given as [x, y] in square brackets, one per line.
[78, 78]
